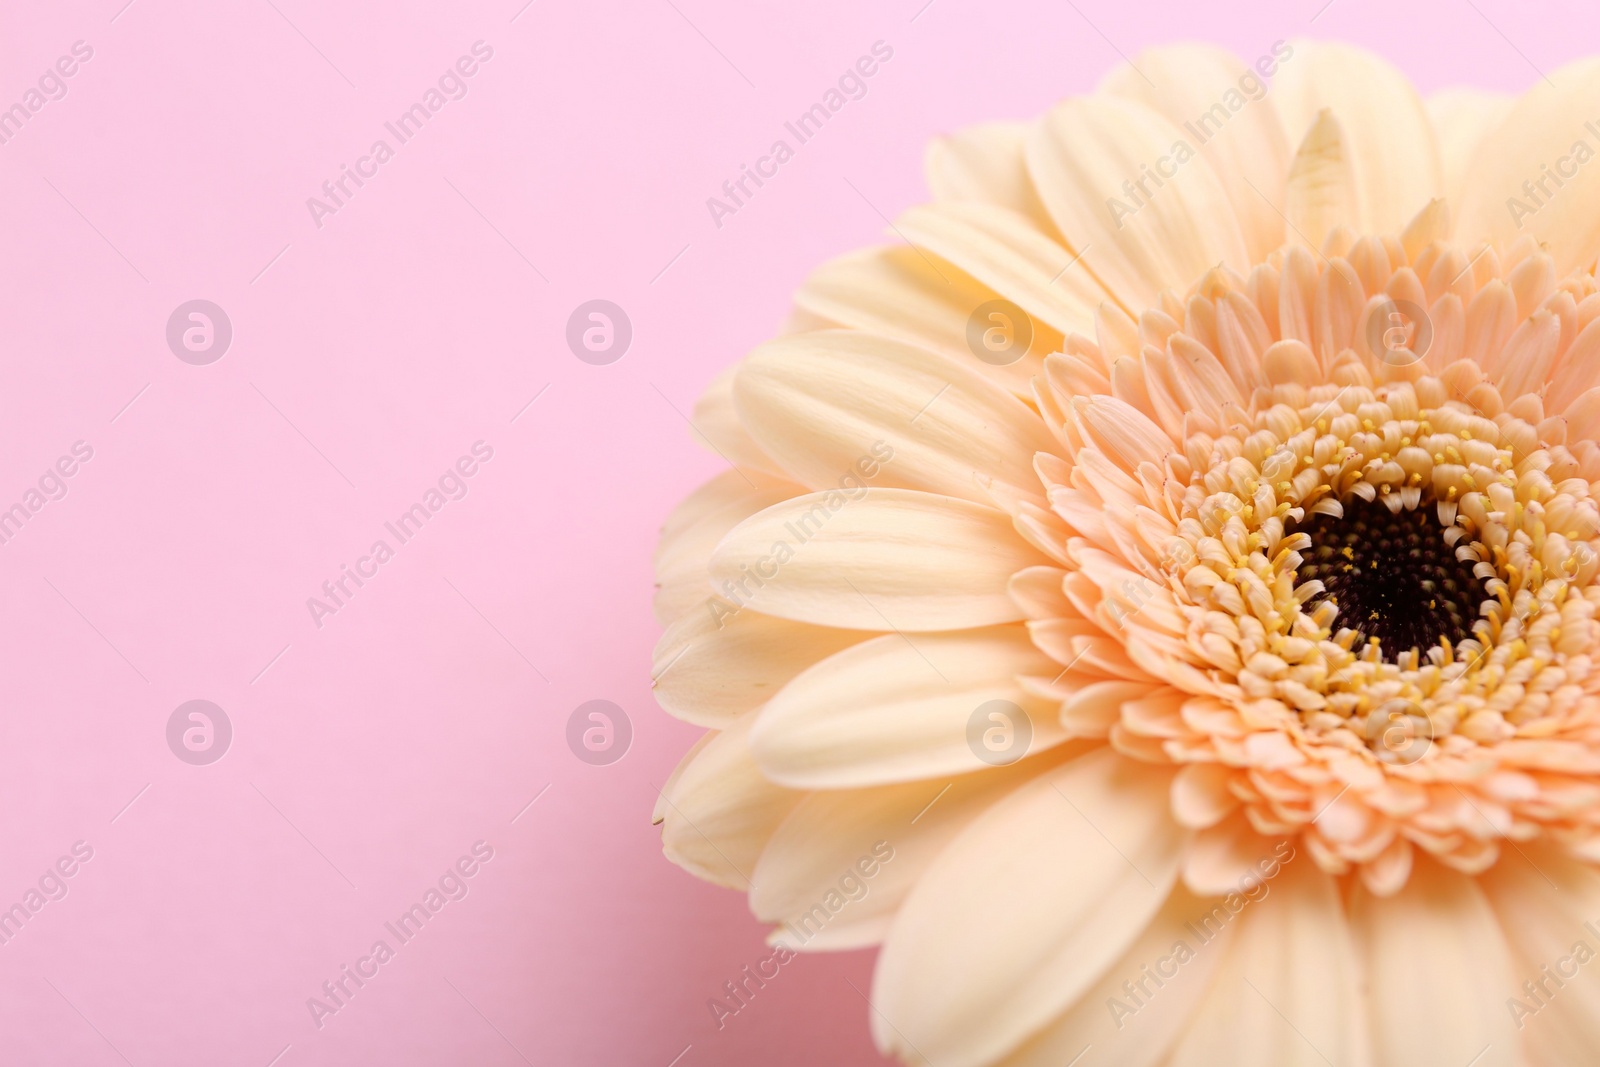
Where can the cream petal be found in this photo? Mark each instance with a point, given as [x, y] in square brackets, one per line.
[715, 424]
[839, 405]
[1197, 85]
[714, 664]
[1579, 369]
[1200, 795]
[985, 164]
[900, 292]
[1547, 903]
[1461, 119]
[1064, 874]
[1527, 358]
[724, 489]
[1081, 154]
[1544, 128]
[659, 810]
[1438, 972]
[1037, 591]
[1321, 193]
[1124, 434]
[1006, 252]
[718, 810]
[1387, 132]
[896, 709]
[1288, 993]
[1227, 857]
[1135, 1029]
[884, 836]
[877, 559]
[1094, 709]
[683, 554]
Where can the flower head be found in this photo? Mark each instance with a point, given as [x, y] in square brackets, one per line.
[1183, 559]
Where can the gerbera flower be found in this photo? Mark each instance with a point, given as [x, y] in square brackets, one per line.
[1179, 558]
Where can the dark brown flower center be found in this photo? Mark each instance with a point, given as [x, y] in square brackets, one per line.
[1392, 576]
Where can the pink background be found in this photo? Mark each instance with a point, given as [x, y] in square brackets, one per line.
[420, 318]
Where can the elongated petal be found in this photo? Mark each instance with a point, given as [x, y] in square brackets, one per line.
[841, 406]
[1462, 118]
[1503, 200]
[1136, 1009]
[1228, 857]
[1066, 872]
[1081, 155]
[1386, 129]
[1437, 969]
[1007, 253]
[1322, 184]
[715, 425]
[720, 661]
[1288, 993]
[1549, 904]
[1208, 92]
[868, 847]
[986, 164]
[718, 810]
[876, 559]
[894, 709]
[683, 554]
[906, 294]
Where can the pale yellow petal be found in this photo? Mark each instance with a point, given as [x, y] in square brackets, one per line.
[910, 295]
[1510, 191]
[1229, 856]
[1321, 193]
[714, 424]
[1082, 154]
[876, 559]
[1387, 132]
[868, 847]
[719, 661]
[1549, 907]
[1136, 1009]
[718, 810]
[692, 530]
[1218, 103]
[896, 709]
[1462, 118]
[1009, 254]
[985, 163]
[1288, 993]
[1438, 972]
[1020, 915]
[846, 406]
